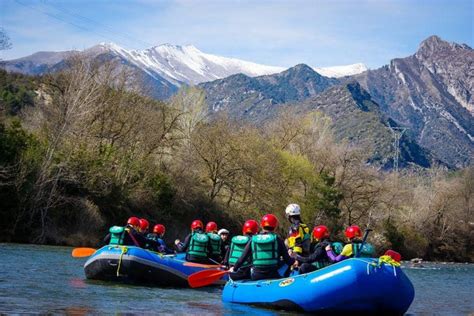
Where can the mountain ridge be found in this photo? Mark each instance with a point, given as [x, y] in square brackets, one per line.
[177, 64]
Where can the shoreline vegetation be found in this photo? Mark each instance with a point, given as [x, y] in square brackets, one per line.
[83, 149]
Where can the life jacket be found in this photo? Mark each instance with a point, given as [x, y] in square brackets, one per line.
[297, 238]
[237, 248]
[117, 235]
[215, 241]
[198, 245]
[367, 250]
[265, 250]
[337, 248]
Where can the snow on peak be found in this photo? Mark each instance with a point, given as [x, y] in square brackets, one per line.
[341, 71]
[187, 64]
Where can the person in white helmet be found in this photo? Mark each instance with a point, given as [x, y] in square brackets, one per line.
[225, 241]
[299, 238]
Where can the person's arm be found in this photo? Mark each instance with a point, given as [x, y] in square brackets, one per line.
[143, 241]
[319, 253]
[345, 253]
[226, 257]
[245, 255]
[107, 239]
[185, 245]
[284, 253]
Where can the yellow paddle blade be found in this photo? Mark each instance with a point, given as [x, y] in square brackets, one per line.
[82, 252]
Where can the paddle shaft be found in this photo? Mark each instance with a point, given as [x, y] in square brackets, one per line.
[366, 234]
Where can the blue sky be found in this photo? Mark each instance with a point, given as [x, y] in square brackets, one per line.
[280, 33]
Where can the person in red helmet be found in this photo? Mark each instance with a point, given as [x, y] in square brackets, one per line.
[215, 242]
[143, 227]
[353, 248]
[319, 258]
[265, 250]
[237, 246]
[126, 235]
[196, 244]
[157, 236]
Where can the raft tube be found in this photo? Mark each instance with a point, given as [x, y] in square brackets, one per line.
[136, 265]
[358, 285]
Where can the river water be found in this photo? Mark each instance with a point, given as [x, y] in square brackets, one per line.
[47, 280]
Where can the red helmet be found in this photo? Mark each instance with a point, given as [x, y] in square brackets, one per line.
[269, 221]
[144, 224]
[159, 229]
[196, 224]
[211, 227]
[133, 221]
[353, 231]
[250, 227]
[320, 232]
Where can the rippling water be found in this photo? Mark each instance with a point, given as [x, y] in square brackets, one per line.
[43, 279]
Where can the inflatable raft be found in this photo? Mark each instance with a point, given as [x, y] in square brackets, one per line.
[361, 285]
[136, 265]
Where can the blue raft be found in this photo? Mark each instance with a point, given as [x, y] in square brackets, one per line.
[358, 285]
[131, 264]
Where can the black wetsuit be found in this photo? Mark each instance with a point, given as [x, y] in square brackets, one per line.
[319, 254]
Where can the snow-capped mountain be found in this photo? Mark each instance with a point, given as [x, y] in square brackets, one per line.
[187, 64]
[176, 64]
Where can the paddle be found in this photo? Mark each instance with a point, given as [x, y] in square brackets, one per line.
[82, 252]
[201, 265]
[205, 277]
[366, 234]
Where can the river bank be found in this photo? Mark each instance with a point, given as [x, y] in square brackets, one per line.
[51, 281]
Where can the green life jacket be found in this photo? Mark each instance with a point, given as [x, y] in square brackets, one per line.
[215, 241]
[198, 245]
[367, 250]
[117, 235]
[237, 248]
[265, 250]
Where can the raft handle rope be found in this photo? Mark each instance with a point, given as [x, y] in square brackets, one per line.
[124, 250]
[389, 261]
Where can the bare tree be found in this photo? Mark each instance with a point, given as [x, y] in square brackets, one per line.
[5, 42]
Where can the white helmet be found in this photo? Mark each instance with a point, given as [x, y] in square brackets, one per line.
[292, 209]
[223, 231]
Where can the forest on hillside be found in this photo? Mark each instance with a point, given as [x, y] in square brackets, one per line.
[84, 148]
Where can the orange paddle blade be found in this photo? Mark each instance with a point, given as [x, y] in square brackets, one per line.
[82, 252]
[201, 265]
[205, 277]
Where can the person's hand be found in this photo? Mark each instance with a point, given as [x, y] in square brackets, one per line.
[231, 270]
[328, 248]
[290, 252]
[177, 241]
